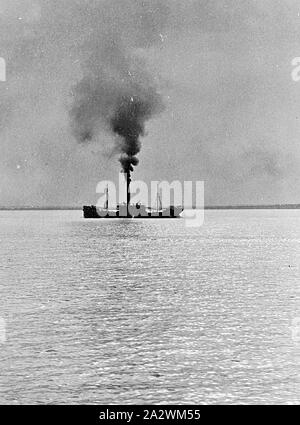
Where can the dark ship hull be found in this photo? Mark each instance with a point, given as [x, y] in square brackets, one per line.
[91, 211]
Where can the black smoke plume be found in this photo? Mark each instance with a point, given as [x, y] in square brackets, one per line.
[117, 94]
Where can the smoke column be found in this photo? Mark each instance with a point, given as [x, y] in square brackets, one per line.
[119, 95]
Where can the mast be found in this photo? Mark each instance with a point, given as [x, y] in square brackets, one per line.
[106, 200]
[128, 181]
[158, 199]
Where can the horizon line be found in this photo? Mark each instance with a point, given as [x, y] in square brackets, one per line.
[206, 207]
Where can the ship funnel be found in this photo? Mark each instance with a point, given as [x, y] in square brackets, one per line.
[128, 181]
[127, 177]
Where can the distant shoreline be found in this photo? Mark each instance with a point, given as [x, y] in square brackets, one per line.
[208, 207]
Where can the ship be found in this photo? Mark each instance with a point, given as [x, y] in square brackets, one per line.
[129, 210]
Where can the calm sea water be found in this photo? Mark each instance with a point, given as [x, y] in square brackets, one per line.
[104, 311]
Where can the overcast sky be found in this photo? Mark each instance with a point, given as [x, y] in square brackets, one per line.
[231, 113]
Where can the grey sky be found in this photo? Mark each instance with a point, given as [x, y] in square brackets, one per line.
[231, 115]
